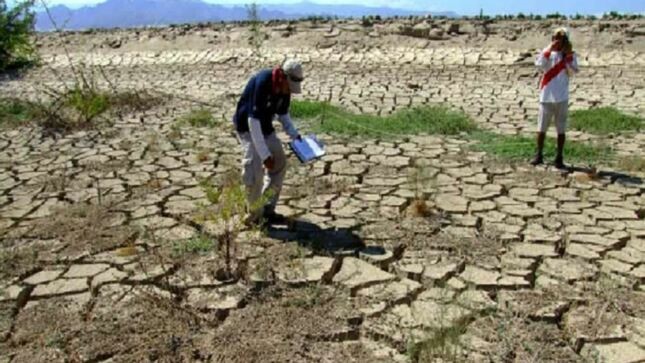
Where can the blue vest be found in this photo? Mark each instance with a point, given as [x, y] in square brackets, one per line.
[258, 102]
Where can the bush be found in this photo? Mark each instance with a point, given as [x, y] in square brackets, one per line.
[89, 104]
[555, 16]
[16, 29]
[614, 15]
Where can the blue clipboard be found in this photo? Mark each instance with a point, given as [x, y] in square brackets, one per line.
[307, 149]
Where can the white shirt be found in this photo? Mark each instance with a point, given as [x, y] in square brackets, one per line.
[258, 138]
[557, 90]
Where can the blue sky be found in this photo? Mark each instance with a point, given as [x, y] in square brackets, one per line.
[464, 7]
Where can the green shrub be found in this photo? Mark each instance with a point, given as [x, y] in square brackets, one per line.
[88, 103]
[423, 119]
[16, 29]
[605, 120]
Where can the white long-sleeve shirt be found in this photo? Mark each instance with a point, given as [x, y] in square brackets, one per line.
[258, 138]
[557, 90]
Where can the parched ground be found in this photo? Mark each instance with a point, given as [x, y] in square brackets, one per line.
[506, 263]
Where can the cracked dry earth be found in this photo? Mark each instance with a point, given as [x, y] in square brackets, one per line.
[526, 264]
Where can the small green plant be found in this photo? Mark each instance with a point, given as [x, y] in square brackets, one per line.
[227, 209]
[516, 148]
[198, 118]
[16, 30]
[605, 120]
[424, 119]
[89, 103]
[201, 244]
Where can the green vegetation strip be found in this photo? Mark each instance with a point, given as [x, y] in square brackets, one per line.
[604, 121]
[439, 120]
[426, 119]
[521, 148]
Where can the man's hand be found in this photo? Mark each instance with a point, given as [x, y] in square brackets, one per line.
[555, 45]
[269, 163]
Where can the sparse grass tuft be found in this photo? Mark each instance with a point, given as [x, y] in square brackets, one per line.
[516, 148]
[604, 121]
[198, 118]
[442, 346]
[15, 112]
[424, 119]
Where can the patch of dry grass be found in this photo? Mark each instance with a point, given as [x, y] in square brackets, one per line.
[86, 227]
[275, 327]
[631, 163]
[142, 327]
[17, 259]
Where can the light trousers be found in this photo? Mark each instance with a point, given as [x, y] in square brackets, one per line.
[256, 181]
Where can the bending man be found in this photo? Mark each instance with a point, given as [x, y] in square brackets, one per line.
[267, 94]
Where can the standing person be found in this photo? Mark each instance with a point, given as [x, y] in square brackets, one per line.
[267, 94]
[558, 62]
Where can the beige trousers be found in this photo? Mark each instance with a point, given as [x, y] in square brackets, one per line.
[253, 173]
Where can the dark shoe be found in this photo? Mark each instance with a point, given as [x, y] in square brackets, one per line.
[251, 221]
[537, 160]
[558, 163]
[275, 218]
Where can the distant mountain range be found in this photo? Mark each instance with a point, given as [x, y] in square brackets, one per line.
[135, 13]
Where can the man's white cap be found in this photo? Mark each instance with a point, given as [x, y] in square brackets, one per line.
[293, 70]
